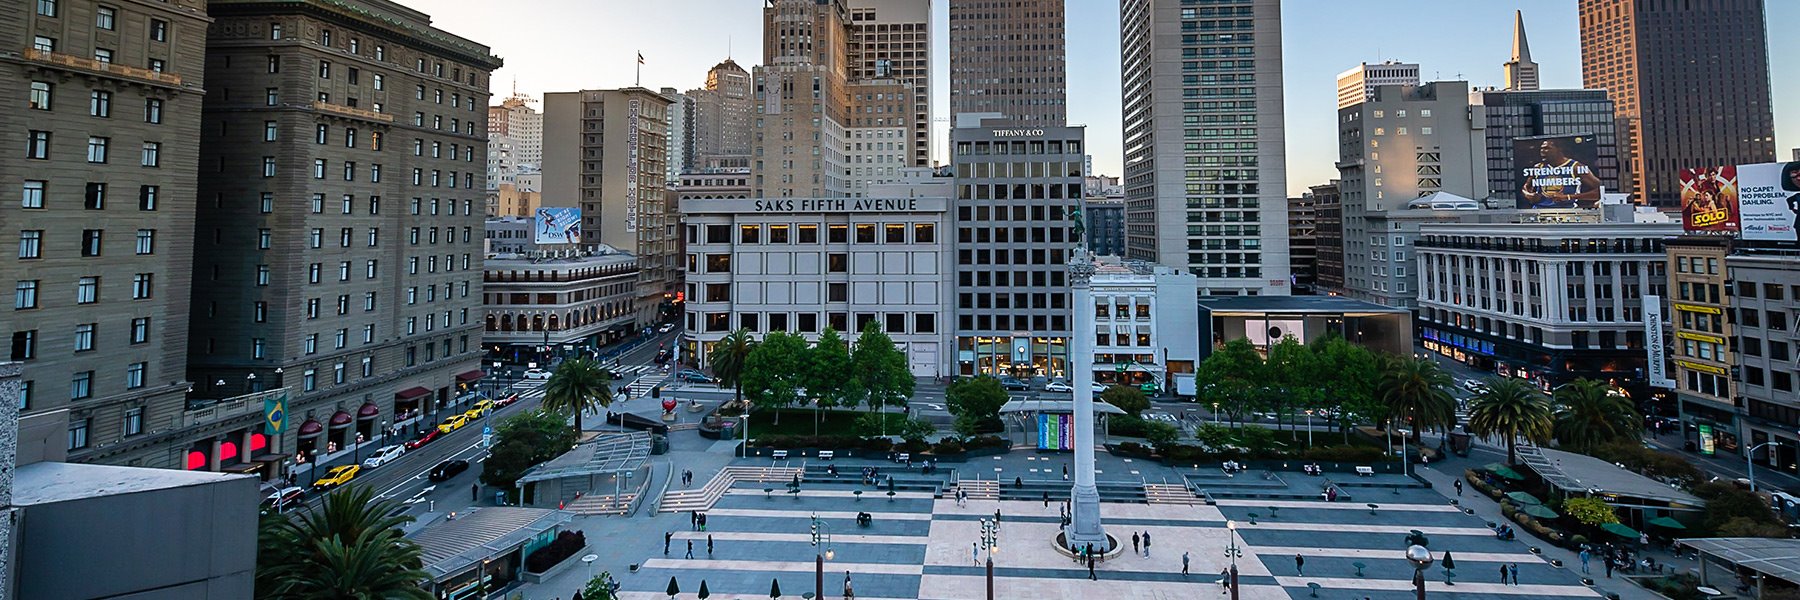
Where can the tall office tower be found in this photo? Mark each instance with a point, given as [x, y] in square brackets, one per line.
[681, 135]
[339, 239]
[1404, 143]
[607, 152]
[1516, 114]
[105, 365]
[1205, 163]
[1016, 191]
[1010, 58]
[1328, 237]
[1359, 82]
[1303, 238]
[801, 99]
[877, 133]
[515, 118]
[722, 118]
[1666, 64]
[891, 39]
[1521, 71]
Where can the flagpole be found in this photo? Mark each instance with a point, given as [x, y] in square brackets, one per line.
[638, 81]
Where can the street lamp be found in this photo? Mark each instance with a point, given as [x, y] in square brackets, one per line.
[1309, 415]
[1215, 414]
[1233, 552]
[990, 540]
[820, 533]
[1420, 557]
[1750, 466]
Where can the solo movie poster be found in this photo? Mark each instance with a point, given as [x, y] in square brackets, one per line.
[1557, 171]
[1756, 202]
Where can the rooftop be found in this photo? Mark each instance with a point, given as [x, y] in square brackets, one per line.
[1774, 557]
[1055, 407]
[606, 454]
[1294, 304]
[52, 482]
[509, 262]
[449, 547]
[1581, 473]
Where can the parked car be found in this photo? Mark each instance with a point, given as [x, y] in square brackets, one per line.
[429, 437]
[537, 374]
[1058, 385]
[337, 476]
[693, 376]
[447, 469]
[1014, 383]
[382, 456]
[454, 423]
[506, 400]
[280, 500]
[484, 405]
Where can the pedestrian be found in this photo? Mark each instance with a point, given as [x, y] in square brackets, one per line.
[667, 535]
[474, 492]
[1065, 472]
[1609, 567]
[1146, 544]
[1515, 573]
[1584, 560]
[1300, 565]
[1091, 575]
[709, 544]
[996, 516]
[1224, 580]
[1184, 563]
[1018, 482]
[1458, 486]
[693, 519]
[975, 553]
[703, 521]
[1134, 542]
[690, 553]
[1046, 499]
[848, 594]
[1503, 574]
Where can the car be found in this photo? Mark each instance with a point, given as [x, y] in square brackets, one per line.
[1474, 386]
[382, 456]
[506, 400]
[1058, 385]
[447, 469]
[280, 500]
[667, 327]
[484, 405]
[454, 423]
[337, 476]
[429, 437]
[536, 374]
[1014, 383]
[692, 376]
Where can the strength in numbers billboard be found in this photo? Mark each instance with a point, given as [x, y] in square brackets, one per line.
[1757, 202]
[1557, 171]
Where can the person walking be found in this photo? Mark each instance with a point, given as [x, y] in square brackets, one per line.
[1515, 573]
[474, 492]
[1184, 563]
[693, 520]
[975, 553]
[1046, 499]
[1224, 580]
[1609, 567]
[667, 535]
[848, 593]
[1065, 472]
[709, 544]
[1091, 575]
[996, 516]
[703, 521]
[1503, 574]
[1146, 544]
[1458, 486]
[1300, 565]
[1134, 542]
[690, 553]
[1585, 555]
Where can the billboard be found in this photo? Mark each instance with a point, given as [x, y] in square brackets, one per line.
[1056, 431]
[558, 225]
[1757, 202]
[1557, 171]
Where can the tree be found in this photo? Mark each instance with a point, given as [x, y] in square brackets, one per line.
[1348, 374]
[1233, 376]
[914, 431]
[1592, 511]
[577, 386]
[347, 548]
[880, 369]
[523, 441]
[1512, 409]
[977, 399]
[827, 365]
[775, 371]
[1289, 373]
[1588, 415]
[1160, 434]
[1127, 398]
[1418, 391]
[728, 356]
[1731, 508]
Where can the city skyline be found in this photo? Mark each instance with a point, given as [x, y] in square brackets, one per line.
[1475, 50]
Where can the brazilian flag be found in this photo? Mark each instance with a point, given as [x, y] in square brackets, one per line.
[275, 414]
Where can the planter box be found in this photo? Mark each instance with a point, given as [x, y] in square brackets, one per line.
[573, 559]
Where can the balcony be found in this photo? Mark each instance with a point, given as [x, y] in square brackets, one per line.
[352, 113]
[94, 66]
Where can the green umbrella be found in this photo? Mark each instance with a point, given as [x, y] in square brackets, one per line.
[1621, 530]
[1508, 473]
[1538, 510]
[1666, 522]
[673, 589]
[704, 593]
[1523, 498]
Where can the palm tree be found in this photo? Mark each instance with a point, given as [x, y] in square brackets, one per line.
[347, 548]
[1589, 414]
[1418, 391]
[728, 356]
[578, 385]
[1513, 409]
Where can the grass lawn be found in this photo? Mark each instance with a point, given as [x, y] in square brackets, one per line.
[799, 421]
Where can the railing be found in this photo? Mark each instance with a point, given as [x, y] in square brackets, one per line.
[69, 60]
[355, 113]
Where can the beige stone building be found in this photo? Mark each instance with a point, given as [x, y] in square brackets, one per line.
[1009, 58]
[891, 40]
[722, 118]
[507, 200]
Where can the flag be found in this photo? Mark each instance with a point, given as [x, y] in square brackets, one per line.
[640, 58]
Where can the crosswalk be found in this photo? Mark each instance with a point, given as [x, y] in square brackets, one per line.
[642, 377]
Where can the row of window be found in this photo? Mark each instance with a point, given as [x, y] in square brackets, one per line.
[43, 97]
[25, 342]
[34, 191]
[808, 322]
[37, 146]
[47, 44]
[808, 233]
[31, 242]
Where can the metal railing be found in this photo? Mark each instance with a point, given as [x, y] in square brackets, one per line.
[70, 60]
[355, 113]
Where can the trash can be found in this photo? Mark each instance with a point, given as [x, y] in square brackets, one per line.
[659, 444]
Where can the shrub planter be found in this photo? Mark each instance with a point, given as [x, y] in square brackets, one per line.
[564, 565]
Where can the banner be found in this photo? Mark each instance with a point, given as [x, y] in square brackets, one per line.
[558, 225]
[275, 413]
[1709, 199]
[1056, 431]
[1758, 202]
[1557, 171]
[1656, 367]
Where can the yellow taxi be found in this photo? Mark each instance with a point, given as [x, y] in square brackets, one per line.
[337, 476]
[481, 407]
[454, 423]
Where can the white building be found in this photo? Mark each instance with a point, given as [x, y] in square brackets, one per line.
[1146, 324]
[804, 264]
[1359, 82]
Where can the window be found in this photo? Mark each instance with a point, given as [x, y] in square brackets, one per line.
[103, 55]
[32, 194]
[134, 375]
[321, 134]
[262, 275]
[146, 241]
[271, 131]
[268, 202]
[324, 69]
[40, 95]
[87, 290]
[309, 381]
[95, 198]
[268, 169]
[78, 429]
[147, 197]
[318, 168]
[134, 420]
[152, 154]
[96, 149]
[271, 96]
[24, 345]
[31, 243]
[46, 8]
[90, 241]
[259, 311]
[37, 145]
[25, 294]
[140, 330]
[106, 17]
[159, 30]
[141, 285]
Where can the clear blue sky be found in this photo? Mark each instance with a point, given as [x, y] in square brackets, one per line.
[564, 45]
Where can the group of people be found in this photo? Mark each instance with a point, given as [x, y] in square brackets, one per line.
[1330, 494]
[1232, 467]
[868, 474]
[1615, 558]
[1504, 531]
[865, 519]
[1312, 469]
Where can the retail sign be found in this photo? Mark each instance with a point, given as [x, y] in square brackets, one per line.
[1657, 363]
[836, 205]
[1701, 367]
[1706, 438]
[1699, 309]
[1700, 337]
[1018, 133]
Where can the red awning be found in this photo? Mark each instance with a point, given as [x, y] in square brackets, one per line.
[368, 411]
[471, 376]
[311, 428]
[412, 392]
[340, 419]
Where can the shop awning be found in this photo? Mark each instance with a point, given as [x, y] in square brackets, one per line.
[412, 392]
[471, 376]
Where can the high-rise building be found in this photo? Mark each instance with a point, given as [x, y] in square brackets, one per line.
[606, 151]
[722, 118]
[515, 119]
[1205, 164]
[1703, 346]
[1104, 218]
[891, 39]
[1402, 144]
[1512, 115]
[1662, 62]
[1328, 236]
[339, 244]
[1521, 71]
[101, 280]
[801, 100]
[877, 129]
[1016, 193]
[1009, 58]
[1303, 241]
[1359, 82]
[681, 134]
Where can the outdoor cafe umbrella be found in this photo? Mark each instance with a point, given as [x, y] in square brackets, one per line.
[1621, 530]
[1666, 522]
[774, 588]
[673, 588]
[1500, 470]
[1523, 498]
[1538, 510]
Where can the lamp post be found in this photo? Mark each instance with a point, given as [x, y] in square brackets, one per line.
[1233, 552]
[1420, 557]
[820, 533]
[990, 540]
[1215, 414]
[1309, 415]
[1750, 465]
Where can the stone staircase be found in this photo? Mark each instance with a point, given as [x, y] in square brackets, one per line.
[704, 497]
[1169, 493]
[980, 489]
[601, 505]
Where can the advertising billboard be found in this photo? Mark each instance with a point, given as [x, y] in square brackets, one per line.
[1557, 171]
[1056, 431]
[558, 225]
[1656, 363]
[1757, 202]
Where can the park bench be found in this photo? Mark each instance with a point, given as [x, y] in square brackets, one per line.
[827, 454]
[780, 454]
[1365, 471]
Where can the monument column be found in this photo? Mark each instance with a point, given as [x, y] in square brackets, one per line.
[1084, 497]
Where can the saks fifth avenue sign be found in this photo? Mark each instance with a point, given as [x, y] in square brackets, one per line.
[834, 205]
[1018, 133]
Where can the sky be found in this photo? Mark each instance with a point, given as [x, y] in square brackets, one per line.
[567, 45]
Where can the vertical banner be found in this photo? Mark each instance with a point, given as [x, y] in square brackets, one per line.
[1656, 368]
[275, 413]
[631, 168]
[1706, 439]
[1056, 431]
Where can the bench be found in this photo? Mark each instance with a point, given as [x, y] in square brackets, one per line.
[827, 454]
[902, 457]
[779, 454]
[1365, 471]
